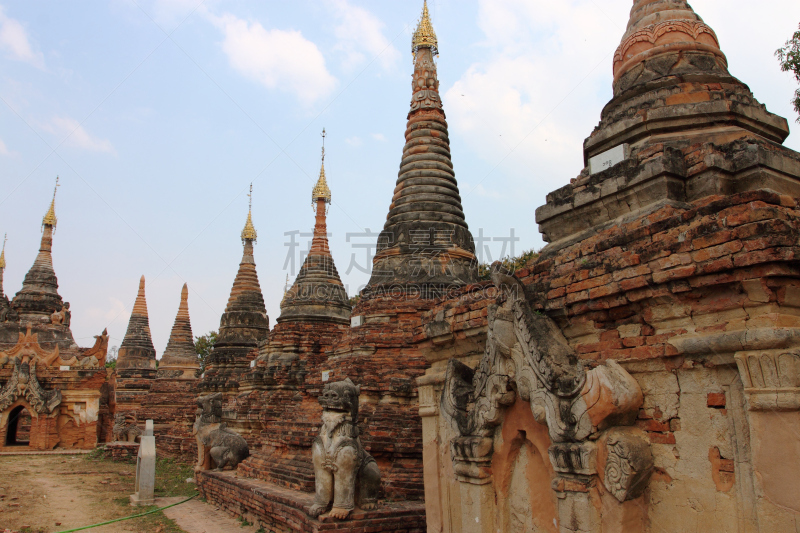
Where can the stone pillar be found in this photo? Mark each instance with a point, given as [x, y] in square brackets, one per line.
[145, 468]
[771, 380]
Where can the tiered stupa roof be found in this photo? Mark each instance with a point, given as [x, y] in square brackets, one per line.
[425, 245]
[180, 358]
[245, 322]
[671, 78]
[39, 298]
[675, 103]
[137, 350]
[317, 293]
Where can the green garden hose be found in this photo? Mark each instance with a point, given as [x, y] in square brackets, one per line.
[127, 517]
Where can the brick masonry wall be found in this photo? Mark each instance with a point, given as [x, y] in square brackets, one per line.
[285, 511]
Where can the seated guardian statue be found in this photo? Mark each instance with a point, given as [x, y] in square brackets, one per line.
[217, 446]
[344, 472]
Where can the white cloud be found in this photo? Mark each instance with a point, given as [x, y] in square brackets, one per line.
[354, 141]
[379, 137]
[282, 59]
[529, 104]
[360, 37]
[3, 149]
[77, 136]
[14, 41]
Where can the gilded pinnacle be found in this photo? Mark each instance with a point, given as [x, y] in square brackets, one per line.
[3, 253]
[50, 217]
[249, 231]
[425, 36]
[321, 190]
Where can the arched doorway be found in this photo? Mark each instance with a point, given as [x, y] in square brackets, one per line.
[19, 427]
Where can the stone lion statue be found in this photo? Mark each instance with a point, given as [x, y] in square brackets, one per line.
[125, 431]
[344, 472]
[217, 446]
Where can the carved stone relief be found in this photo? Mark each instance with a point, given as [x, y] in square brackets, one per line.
[771, 380]
[23, 384]
[526, 355]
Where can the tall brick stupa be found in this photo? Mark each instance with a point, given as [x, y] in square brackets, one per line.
[317, 293]
[180, 358]
[425, 247]
[243, 325]
[282, 390]
[38, 299]
[672, 91]
[136, 360]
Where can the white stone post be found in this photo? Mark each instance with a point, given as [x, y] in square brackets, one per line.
[145, 468]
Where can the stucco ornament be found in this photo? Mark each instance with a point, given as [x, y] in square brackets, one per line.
[527, 356]
[23, 384]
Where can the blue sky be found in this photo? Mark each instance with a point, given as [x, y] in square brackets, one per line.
[158, 114]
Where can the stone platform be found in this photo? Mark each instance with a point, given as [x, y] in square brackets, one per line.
[121, 451]
[285, 510]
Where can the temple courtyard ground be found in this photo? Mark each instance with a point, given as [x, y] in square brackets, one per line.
[53, 493]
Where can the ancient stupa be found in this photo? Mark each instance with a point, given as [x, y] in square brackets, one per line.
[137, 350]
[425, 247]
[180, 358]
[38, 298]
[243, 325]
[317, 293]
[672, 90]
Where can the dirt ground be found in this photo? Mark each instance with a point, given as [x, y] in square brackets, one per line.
[52, 493]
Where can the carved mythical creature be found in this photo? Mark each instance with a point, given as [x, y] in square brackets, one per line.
[341, 465]
[528, 357]
[23, 384]
[217, 446]
[125, 431]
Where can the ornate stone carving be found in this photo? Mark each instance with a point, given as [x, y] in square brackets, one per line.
[62, 317]
[771, 380]
[23, 384]
[217, 446]
[526, 355]
[124, 430]
[628, 462]
[27, 350]
[96, 355]
[341, 465]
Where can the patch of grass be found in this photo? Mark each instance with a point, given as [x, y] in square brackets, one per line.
[171, 478]
[95, 454]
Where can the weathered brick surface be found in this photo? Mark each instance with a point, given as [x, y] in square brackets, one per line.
[284, 510]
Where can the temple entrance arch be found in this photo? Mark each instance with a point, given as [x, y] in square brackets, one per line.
[18, 428]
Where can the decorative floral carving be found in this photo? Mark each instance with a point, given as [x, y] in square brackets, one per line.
[629, 463]
[651, 34]
[425, 85]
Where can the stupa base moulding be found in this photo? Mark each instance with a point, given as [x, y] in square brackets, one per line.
[285, 510]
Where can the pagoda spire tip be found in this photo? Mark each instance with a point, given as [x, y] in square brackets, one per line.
[249, 232]
[3, 254]
[321, 190]
[50, 217]
[424, 35]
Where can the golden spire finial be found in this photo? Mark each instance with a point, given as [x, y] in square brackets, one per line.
[3, 254]
[249, 231]
[425, 36]
[50, 217]
[321, 190]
